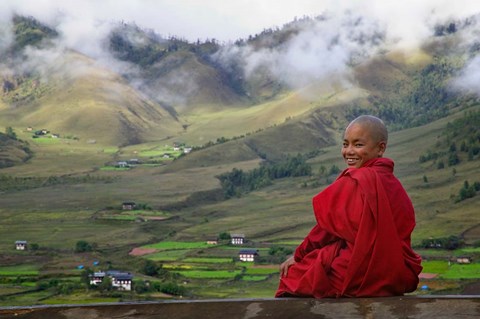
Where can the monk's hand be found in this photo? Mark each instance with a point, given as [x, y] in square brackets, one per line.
[285, 265]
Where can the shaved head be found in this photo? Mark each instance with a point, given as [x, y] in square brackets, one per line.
[374, 125]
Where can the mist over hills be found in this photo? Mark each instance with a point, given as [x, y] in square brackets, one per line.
[149, 87]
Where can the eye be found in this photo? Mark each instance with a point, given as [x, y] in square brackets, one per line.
[358, 145]
[345, 144]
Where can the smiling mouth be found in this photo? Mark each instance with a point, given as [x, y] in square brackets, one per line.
[351, 160]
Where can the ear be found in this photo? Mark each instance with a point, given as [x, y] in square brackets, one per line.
[382, 146]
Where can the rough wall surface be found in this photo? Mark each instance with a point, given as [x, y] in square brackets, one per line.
[436, 307]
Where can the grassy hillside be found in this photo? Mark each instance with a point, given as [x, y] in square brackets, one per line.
[438, 214]
[91, 104]
[12, 150]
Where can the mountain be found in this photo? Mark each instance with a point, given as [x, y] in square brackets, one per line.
[149, 88]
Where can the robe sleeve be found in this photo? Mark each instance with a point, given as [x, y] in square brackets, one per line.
[316, 238]
[338, 208]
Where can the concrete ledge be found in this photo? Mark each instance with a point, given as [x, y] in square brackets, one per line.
[393, 307]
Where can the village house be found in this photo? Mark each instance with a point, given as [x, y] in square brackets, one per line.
[122, 164]
[133, 161]
[42, 132]
[97, 277]
[248, 255]
[212, 241]
[128, 205]
[464, 260]
[21, 245]
[237, 239]
[120, 280]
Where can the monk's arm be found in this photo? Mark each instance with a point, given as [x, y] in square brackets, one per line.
[285, 265]
[316, 238]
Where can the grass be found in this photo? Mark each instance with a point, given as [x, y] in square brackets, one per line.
[467, 271]
[132, 215]
[435, 266]
[110, 150]
[113, 168]
[207, 260]
[448, 270]
[169, 255]
[171, 245]
[19, 270]
[210, 274]
[261, 271]
[254, 278]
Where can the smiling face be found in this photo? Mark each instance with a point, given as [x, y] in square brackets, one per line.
[361, 144]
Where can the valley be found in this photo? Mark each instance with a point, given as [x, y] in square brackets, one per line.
[158, 125]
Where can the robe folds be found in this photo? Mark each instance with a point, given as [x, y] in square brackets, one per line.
[360, 245]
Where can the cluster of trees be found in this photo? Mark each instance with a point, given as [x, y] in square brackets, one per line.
[9, 138]
[169, 286]
[57, 286]
[420, 100]
[465, 132]
[450, 243]
[238, 182]
[83, 246]
[9, 131]
[278, 254]
[467, 191]
[144, 55]
[124, 43]
[29, 31]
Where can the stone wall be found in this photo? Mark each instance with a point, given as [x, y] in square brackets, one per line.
[437, 307]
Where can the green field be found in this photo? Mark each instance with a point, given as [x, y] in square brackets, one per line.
[19, 270]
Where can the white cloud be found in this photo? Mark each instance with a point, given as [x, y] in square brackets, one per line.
[469, 80]
[230, 20]
[83, 24]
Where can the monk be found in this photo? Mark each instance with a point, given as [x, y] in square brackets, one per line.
[360, 245]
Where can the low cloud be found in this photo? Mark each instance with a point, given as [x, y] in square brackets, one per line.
[322, 47]
[469, 79]
[349, 31]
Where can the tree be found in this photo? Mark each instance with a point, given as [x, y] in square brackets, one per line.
[440, 165]
[85, 276]
[10, 133]
[224, 236]
[106, 284]
[150, 268]
[83, 246]
[453, 159]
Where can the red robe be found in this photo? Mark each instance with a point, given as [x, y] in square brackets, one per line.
[360, 246]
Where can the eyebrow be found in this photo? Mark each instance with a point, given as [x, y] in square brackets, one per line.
[355, 140]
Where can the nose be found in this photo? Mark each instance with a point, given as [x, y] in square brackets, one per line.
[348, 149]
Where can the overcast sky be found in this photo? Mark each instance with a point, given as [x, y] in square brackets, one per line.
[227, 20]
